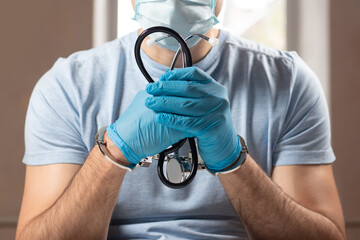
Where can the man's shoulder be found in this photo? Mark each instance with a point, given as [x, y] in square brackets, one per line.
[279, 66]
[102, 54]
[82, 68]
[249, 47]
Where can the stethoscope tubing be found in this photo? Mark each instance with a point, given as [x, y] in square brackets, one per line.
[185, 49]
[187, 63]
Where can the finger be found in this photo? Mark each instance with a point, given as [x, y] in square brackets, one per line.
[181, 123]
[180, 106]
[194, 126]
[180, 89]
[187, 74]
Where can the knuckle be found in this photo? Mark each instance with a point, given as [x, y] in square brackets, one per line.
[222, 118]
[163, 100]
[193, 69]
[191, 87]
[212, 98]
[223, 89]
[225, 103]
[160, 85]
[223, 106]
[188, 103]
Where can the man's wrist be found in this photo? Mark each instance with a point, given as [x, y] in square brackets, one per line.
[115, 152]
[239, 160]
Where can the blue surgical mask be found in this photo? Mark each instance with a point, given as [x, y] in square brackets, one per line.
[186, 17]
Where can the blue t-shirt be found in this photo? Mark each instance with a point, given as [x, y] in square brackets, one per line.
[277, 106]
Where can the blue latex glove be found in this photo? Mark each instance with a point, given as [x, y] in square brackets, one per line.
[190, 100]
[137, 133]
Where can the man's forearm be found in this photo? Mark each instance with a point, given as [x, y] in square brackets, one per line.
[268, 213]
[84, 209]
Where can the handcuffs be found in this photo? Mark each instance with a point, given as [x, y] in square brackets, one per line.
[177, 167]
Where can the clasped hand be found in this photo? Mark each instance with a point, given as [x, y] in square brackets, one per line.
[183, 103]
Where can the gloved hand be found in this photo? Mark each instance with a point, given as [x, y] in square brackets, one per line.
[190, 100]
[137, 133]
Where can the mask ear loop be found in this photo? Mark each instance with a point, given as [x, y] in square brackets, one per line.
[187, 61]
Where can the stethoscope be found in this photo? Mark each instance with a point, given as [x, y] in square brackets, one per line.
[180, 170]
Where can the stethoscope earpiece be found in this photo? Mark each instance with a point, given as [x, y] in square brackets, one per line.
[214, 42]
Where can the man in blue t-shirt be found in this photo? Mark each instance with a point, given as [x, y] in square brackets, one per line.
[237, 96]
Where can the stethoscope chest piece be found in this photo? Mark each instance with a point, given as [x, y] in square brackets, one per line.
[177, 170]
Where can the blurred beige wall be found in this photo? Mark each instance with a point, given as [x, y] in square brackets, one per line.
[33, 34]
[345, 106]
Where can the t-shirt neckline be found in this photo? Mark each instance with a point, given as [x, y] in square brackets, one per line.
[156, 69]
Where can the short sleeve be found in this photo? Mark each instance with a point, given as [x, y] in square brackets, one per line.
[305, 136]
[52, 126]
